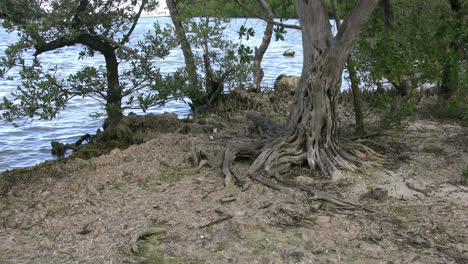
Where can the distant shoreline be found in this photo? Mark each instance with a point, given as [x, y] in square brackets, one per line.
[154, 16]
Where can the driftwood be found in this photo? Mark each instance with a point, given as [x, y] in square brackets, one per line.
[145, 233]
[59, 149]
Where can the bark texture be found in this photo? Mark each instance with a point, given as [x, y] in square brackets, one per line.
[311, 131]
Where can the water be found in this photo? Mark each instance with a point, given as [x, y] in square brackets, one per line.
[29, 144]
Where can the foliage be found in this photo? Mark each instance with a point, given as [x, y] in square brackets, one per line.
[412, 50]
[456, 106]
[97, 27]
[408, 49]
[229, 8]
[281, 8]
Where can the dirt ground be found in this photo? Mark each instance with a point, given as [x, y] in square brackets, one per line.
[94, 210]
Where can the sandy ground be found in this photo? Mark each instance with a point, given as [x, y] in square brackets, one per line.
[91, 212]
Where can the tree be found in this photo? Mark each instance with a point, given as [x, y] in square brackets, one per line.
[97, 26]
[410, 43]
[217, 62]
[311, 133]
[283, 8]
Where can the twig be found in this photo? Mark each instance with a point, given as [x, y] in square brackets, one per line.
[212, 191]
[119, 45]
[217, 221]
[266, 19]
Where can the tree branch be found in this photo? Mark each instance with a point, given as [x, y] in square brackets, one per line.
[266, 19]
[55, 44]
[135, 21]
[63, 42]
[120, 45]
[349, 30]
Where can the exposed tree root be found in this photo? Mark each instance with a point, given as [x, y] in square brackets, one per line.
[324, 196]
[274, 157]
[249, 150]
[252, 149]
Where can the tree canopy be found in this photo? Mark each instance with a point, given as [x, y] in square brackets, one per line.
[229, 8]
[103, 27]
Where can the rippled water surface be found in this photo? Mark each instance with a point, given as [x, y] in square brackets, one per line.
[30, 143]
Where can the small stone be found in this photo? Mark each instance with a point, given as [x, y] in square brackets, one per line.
[228, 199]
[289, 53]
[379, 193]
[211, 137]
[197, 180]
[215, 130]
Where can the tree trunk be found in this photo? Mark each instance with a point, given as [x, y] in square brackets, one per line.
[387, 14]
[260, 51]
[450, 80]
[401, 86]
[184, 43]
[351, 65]
[311, 132]
[114, 90]
[357, 101]
[214, 85]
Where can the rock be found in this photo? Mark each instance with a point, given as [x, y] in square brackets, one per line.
[286, 85]
[289, 53]
[378, 193]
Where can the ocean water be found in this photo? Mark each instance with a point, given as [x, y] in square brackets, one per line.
[29, 144]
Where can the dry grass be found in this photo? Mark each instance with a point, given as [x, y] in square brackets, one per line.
[90, 213]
